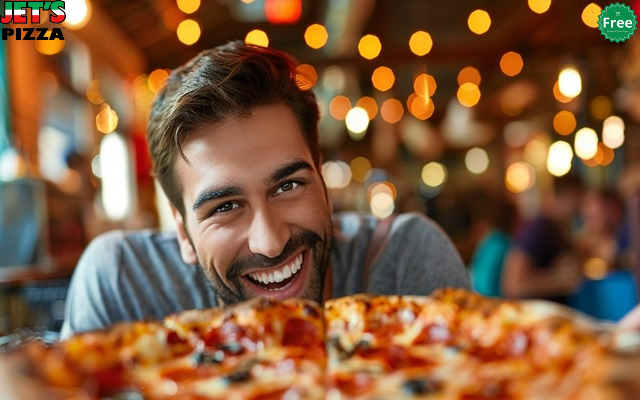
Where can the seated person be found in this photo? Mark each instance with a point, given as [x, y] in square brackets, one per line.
[234, 143]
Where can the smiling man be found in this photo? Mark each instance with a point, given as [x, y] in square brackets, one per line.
[234, 142]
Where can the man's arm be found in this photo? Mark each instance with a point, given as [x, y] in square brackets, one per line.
[522, 279]
[92, 299]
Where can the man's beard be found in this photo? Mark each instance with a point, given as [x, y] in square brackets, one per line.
[234, 292]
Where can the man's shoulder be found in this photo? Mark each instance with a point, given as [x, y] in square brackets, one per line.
[138, 238]
[349, 224]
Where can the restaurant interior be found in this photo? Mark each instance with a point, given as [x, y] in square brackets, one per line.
[427, 106]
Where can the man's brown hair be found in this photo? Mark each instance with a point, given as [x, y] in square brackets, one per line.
[220, 84]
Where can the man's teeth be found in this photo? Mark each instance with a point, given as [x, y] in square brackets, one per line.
[279, 275]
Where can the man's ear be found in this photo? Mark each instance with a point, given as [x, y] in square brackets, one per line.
[187, 251]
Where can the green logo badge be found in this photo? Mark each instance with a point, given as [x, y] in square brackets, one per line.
[617, 22]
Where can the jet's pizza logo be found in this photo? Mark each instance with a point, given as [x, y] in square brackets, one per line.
[16, 12]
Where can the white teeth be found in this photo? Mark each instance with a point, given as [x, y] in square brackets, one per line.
[279, 275]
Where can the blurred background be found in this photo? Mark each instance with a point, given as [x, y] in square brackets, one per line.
[457, 109]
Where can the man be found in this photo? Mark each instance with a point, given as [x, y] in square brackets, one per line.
[543, 263]
[234, 143]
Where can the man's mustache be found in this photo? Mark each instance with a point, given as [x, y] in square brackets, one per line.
[306, 238]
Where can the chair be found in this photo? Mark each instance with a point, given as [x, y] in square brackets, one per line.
[610, 298]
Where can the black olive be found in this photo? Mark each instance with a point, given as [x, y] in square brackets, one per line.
[420, 386]
[207, 358]
[231, 347]
[310, 311]
[238, 376]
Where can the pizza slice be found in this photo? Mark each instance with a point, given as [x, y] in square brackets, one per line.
[460, 345]
[258, 349]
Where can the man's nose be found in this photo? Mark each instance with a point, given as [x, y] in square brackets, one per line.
[268, 233]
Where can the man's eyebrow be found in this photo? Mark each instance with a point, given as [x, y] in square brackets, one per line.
[215, 194]
[287, 170]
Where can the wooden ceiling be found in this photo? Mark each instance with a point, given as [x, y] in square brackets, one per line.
[545, 41]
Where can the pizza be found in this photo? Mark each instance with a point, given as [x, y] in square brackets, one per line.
[454, 344]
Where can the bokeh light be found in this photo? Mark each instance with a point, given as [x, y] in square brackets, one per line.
[306, 76]
[339, 107]
[336, 174]
[257, 37]
[479, 22]
[188, 6]
[519, 177]
[107, 119]
[559, 158]
[369, 104]
[535, 152]
[476, 160]
[357, 121]
[469, 74]
[468, 94]
[585, 143]
[420, 43]
[383, 78]
[564, 122]
[157, 79]
[434, 174]
[189, 31]
[613, 132]
[360, 169]
[369, 47]
[570, 82]
[316, 36]
[600, 107]
[392, 111]
[49, 47]
[511, 63]
[539, 6]
[591, 14]
[425, 85]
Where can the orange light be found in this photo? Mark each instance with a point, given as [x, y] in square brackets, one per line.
[511, 63]
[469, 74]
[283, 11]
[564, 122]
[420, 107]
[370, 106]
[383, 78]
[392, 111]
[339, 107]
[420, 43]
[425, 85]
[306, 76]
[559, 96]
[369, 47]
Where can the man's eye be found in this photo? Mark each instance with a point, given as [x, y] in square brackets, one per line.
[287, 186]
[224, 208]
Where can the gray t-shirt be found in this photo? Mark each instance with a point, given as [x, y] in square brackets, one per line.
[126, 275]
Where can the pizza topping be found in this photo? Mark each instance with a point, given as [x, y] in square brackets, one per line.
[204, 357]
[421, 386]
[454, 344]
[302, 333]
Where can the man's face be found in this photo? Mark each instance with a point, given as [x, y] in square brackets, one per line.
[257, 218]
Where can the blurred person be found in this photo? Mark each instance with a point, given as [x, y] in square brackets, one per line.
[543, 262]
[494, 219]
[234, 144]
[602, 212]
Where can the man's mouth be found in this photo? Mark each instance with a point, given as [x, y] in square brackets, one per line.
[277, 278]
